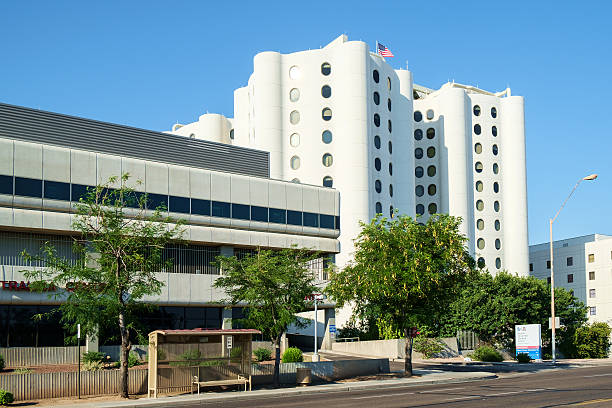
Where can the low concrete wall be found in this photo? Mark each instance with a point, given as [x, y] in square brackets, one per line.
[393, 349]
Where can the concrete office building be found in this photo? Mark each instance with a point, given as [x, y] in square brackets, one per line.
[341, 116]
[224, 194]
[582, 265]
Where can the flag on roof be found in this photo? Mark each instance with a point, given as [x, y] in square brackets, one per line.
[382, 50]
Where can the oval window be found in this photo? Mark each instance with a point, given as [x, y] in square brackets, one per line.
[480, 243]
[389, 83]
[375, 76]
[391, 190]
[389, 104]
[326, 137]
[326, 113]
[376, 120]
[378, 186]
[493, 112]
[418, 116]
[430, 114]
[497, 263]
[295, 162]
[389, 125]
[431, 171]
[431, 189]
[390, 147]
[480, 224]
[476, 110]
[479, 205]
[294, 72]
[378, 208]
[294, 117]
[418, 153]
[418, 134]
[328, 181]
[294, 140]
[497, 225]
[418, 172]
[232, 134]
[478, 148]
[478, 167]
[419, 190]
[326, 91]
[432, 208]
[494, 130]
[477, 129]
[377, 141]
[326, 68]
[431, 151]
[495, 150]
[496, 187]
[294, 95]
[497, 243]
[328, 160]
[495, 168]
[391, 169]
[496, 206]
[479, 186]
[377, 164]
[420, 209]
[431, 133]
[376, 98]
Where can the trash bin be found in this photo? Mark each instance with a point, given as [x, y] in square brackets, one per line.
[303, 376]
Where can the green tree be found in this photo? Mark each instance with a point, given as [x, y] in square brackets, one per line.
[404, 273]
[274, 284]
[492, 305]
[593, 341]
[119, 250]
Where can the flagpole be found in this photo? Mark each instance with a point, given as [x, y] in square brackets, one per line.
[376, 49]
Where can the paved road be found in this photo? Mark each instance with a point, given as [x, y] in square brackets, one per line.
[588, 386]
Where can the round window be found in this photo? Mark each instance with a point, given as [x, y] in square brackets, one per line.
[328, 181]
[478, 167]
[480, 243]
[378, 186]
[480, 224]
[479, 205]
[390, 147]
[376, 98]
[389, 125]
[328, 160]
[494, 130]
[493, 112]
[496, 187]
[418, 172]
[294, 117]
[431, 133]
[495, 150]
[294, 95]
[498, 263]
[477, 129]
[430, 114]
[375, 76]
[326, 91]
[420, 209]
[418, 153]
[294, 72]
[418, 134]
[326, 68]
[419, 190]
[378, 208]
[431, 189]
[497, 243]
[389, 104]
[326, 137]
[377, 164]
[294, 140]
[478, 148]
[431, 151]
[377, 141]
[326, 113]
[496, 206]
[479, 186]
[495, 168]
[391, 190]
[418, 116]
[295, 162]
[476, 110]
[497, 225]
[431, 171]
[432, 208]
[376, 120]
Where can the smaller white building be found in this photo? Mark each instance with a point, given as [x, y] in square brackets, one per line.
[583, 265]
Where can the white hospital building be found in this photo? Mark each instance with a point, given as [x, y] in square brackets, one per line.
[341, 116]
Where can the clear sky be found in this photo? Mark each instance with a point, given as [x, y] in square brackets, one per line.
[150, 64]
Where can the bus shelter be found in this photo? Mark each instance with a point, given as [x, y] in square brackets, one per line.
[182, 360]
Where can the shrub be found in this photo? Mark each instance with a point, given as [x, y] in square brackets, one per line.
[236, 352]
[92, 366]
[1, 362]
[487, 353]
[93, 356]
[593, 341]
[427, 346]
[133, 360]
[6, 397]
[262, 354]
[22, 370]
[523, 358]
[293, 355]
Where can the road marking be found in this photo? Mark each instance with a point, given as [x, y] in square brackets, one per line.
[597, 375]
[597, 401]
[466, 397]
[384, 395]
[514, 392]
[442, 390]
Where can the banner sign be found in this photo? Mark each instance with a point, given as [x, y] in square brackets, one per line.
[529, 340]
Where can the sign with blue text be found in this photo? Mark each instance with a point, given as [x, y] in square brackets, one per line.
[529, 340]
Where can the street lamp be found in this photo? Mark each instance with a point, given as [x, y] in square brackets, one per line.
[552, 268]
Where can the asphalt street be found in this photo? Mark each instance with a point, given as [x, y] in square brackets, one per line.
[587, 386]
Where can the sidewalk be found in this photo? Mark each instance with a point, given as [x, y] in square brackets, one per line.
[422, 377]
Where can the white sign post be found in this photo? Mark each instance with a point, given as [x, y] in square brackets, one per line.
[79, 353]
[529, 340]
[315, 297]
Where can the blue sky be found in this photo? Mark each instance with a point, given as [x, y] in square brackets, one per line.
[150, 64]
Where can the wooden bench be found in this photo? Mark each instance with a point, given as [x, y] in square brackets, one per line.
[214, 383]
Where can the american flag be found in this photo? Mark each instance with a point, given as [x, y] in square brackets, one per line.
[382, 50]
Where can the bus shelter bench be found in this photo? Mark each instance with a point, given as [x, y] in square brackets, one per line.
[215, 383]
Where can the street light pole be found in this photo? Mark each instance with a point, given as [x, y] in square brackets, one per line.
[552, 268]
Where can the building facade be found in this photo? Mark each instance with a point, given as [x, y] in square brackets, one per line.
[582, 265]
[223, 193]
[341, 116]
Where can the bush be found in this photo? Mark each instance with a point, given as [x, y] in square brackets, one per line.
[92, 366]
[593, 341]
[236, 353]
[1, 362]
[487, 353]
[262, 354]
[22, 370]
[93, 356]
[523, 358]
[427, 346]
[6, 397]
[293, 355]
[133, 360]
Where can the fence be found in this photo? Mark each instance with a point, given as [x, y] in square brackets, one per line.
[35, 356]
[467, 340]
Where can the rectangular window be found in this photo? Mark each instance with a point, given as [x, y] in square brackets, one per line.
[337, 222]
[259, 213]
[548, 264]
[548, 280]
[311, 220]
[78, 191]
[200, 207]
[157, 201]
[591, 275]
[179, 204]
[327, 221]
[570, 261]
[241, 212]
[28, 187]
[6, 185]
[570, 278]
[530, 267]
[591, 258]
[294, 217]
[220, 209]
[592, 310]
[278, 216]
[133, 199]
[592, 293]
[57, 191]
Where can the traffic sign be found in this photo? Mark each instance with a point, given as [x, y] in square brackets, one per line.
[230, 341]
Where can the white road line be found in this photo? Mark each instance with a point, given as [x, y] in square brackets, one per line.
[466, 397]
[442, 390]
[596, 375]
[384, 395]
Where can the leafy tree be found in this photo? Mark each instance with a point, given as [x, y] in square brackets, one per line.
[274, 284]
[593, 341]
[492, 305]
[404, 273]
[119, 251]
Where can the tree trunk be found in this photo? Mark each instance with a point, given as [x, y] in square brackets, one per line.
[124, 353]
[276, 376]
[408, 353]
